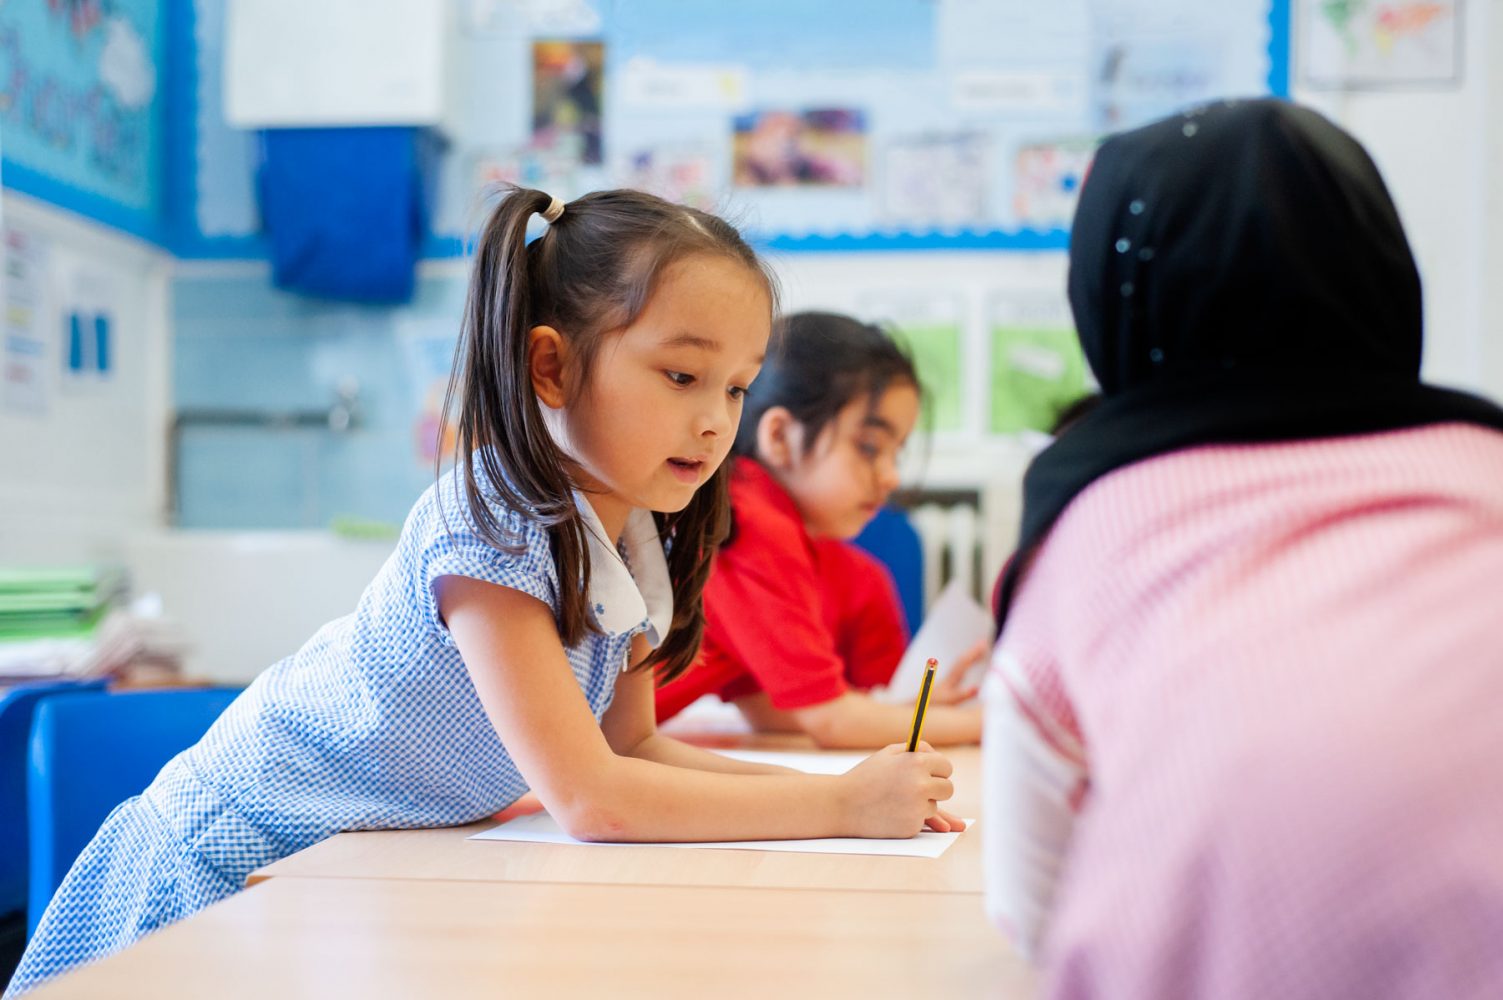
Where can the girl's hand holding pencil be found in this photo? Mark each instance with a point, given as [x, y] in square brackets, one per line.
[921, 783]
[894, 794]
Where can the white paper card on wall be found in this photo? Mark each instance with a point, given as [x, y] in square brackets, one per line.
[1019, 91]
[647, 83]
[295, 63]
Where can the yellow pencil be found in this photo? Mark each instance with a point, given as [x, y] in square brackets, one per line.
[922, 704]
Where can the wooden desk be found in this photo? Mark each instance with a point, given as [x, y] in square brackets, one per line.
[371, 938]
[446, 854]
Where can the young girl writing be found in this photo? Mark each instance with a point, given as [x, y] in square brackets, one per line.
[509, 641]
[799, 622]
[1241, 738]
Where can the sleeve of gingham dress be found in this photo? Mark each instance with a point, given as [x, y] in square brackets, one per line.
[1035, 778]
[451, 546]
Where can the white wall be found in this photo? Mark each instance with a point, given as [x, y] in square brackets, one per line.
[1490, 267]
[1438, 150]
[86, 470]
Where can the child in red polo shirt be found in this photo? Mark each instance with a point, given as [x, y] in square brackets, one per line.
[800, 622]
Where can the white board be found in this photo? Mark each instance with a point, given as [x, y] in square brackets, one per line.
[295, 63]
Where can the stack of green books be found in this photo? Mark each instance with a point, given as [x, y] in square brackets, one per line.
[49, 617]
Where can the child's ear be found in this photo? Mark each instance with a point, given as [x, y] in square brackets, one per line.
[547, 353]
[779, 438]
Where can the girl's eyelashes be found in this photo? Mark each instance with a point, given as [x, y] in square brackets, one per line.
[683, 380]
[869, 450]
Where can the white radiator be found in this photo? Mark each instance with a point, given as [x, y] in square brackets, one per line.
[966, 512]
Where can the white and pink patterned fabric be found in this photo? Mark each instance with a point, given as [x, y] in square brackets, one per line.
[1245, 727]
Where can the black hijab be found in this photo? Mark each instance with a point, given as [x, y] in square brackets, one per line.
[1237, 274]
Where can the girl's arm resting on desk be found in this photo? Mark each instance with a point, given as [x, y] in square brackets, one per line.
[509, 642]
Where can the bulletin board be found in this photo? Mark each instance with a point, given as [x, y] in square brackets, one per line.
[846, 124]
[838, 125]
[81, 107]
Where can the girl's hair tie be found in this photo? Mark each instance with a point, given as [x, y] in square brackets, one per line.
[553, 211]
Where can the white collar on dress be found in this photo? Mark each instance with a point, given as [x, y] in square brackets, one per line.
[622, 598]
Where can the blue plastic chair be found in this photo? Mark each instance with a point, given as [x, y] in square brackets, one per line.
[89, 753]
[17, 705]
[891, 537]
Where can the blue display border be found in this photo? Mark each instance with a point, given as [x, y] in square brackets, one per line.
[176, 229]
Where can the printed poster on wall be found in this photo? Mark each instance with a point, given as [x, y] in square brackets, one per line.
[26, 358]
[1037, 366]
[1365, 44]
[931, 328]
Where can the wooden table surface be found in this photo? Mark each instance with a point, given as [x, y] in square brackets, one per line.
[429, 913]
[376, 938]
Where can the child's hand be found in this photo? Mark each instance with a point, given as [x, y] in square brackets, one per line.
[944, 822]
[952, 688]
[893, 794]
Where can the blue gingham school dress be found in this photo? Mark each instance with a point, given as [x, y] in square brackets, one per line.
[373, 724]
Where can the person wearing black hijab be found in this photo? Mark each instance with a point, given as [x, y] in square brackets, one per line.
[1238, 274]
[1242, 735]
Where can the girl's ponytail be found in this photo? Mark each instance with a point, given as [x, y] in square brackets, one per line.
[499, 423]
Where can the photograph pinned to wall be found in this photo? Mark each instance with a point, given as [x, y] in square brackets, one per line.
[682, 174]
[24, 363]
[936, 182]
[1362, 45]
[1046, 181]
[823, 147]
[1037, 368]
[931, 326]
[568, 98]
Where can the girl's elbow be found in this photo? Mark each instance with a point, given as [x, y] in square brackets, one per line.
[593, 821]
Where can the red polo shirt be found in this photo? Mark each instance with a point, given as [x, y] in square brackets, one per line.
[802, 619]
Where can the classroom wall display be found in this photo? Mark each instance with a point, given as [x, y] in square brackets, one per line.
[1037, 368]
[846, 124]
[1363, 44]
[25, 354]
[81, 104]
[930, 326]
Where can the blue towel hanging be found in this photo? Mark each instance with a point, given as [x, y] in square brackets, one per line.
[343, 209]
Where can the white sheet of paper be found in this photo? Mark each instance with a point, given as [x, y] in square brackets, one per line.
[952, 625]
[540, 828]
[809, 763]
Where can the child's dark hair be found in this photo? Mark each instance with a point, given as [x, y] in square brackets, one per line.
[816, 365]
[591, 272]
